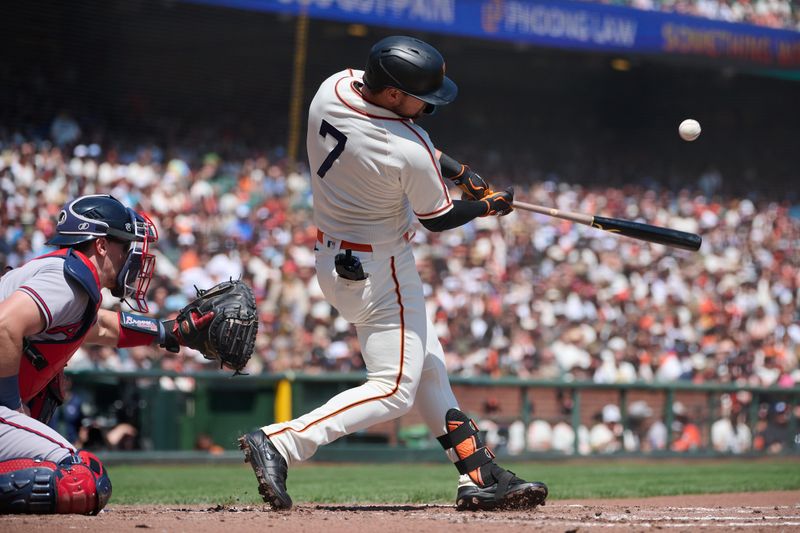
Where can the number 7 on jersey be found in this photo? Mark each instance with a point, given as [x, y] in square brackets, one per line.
[341, 139]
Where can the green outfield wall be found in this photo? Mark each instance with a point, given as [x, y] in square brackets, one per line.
[174, 413]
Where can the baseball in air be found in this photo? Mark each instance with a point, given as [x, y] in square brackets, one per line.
[689, 129]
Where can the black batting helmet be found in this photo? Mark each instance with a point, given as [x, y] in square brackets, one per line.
[411, 65]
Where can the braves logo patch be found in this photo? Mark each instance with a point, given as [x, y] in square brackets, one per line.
[145, 324]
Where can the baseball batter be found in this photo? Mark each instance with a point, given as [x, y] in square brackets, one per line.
[48, 308]
[374, 170]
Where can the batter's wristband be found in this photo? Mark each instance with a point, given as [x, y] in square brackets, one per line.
[9, 392]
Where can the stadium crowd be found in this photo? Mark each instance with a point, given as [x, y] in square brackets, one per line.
[772, 13]
[524, 295]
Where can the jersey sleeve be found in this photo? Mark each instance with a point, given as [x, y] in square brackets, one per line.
[421, 177]
[57, 299]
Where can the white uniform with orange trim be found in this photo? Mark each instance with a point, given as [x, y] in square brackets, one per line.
[372, 172]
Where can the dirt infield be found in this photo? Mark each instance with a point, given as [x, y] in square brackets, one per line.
[755, 512]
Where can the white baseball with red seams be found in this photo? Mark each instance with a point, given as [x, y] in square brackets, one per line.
[372, 173]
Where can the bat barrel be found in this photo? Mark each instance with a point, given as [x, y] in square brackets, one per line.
[647, 232]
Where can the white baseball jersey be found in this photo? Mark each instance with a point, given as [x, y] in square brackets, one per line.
[372, 170]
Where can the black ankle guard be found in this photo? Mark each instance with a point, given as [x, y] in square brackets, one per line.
[481, 456]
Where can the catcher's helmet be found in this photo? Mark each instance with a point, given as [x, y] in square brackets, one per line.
[411, 65]
[101, 215]
[93, 216]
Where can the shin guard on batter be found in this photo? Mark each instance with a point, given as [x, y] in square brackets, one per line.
[494, 487]
[77, 485]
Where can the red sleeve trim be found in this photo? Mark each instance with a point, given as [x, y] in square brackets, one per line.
[40, 302]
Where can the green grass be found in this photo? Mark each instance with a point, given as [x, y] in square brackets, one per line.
[436, 483]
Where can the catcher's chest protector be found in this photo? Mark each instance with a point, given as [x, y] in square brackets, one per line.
[43, 360]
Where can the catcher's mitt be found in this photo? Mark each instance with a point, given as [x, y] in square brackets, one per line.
[221, 323]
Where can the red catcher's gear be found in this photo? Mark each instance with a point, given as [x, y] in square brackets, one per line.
[43, 360]
[78, 485]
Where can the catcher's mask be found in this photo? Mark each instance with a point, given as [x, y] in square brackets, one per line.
[101, 215]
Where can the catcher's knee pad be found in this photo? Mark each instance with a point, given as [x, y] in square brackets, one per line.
[475, 458]
[77, 485]
[90, 470]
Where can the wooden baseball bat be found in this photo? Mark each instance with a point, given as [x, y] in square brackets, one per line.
[620, 226]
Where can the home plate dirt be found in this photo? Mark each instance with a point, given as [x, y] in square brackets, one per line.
[755, 512]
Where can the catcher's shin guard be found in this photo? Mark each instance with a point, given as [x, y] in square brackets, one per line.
[492, 487]
[77, 485]
[270, 468]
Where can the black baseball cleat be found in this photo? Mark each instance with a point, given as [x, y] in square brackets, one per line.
[270, 468]
[509, 493]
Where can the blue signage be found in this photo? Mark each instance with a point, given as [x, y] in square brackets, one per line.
[560, 24]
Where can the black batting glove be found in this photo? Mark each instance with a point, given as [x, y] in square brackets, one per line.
[499, 203]
[473, 185]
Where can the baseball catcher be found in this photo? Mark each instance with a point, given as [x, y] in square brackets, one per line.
[51, 306]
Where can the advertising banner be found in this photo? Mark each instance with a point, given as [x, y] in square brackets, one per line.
[558, 24]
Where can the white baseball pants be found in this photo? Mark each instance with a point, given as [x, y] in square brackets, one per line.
[403, 356]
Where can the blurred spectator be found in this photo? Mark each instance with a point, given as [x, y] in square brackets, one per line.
[563, 437]
[65, 130]
[529, 297]
[775, 435]
[205, 443]
[685, 432]
[516, 437]
[656, 437]
[639, 414]
[731, 434]
[605, 436]
[122, 437]
[487, 425]
[771, 13]
[539, 436]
